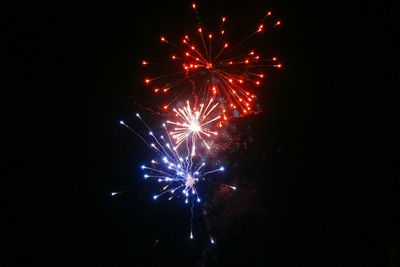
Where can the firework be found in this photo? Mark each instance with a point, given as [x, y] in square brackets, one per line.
[193, 125]
[179, 173]
[223, 78]
[208, 66]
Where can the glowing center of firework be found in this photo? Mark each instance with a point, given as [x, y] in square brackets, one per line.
[209, 66]
[195, 127]
[190, 181]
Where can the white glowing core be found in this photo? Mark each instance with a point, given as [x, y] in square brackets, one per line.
[190, 181]
[195, 127]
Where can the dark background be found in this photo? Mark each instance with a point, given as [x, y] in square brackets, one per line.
[315, 180]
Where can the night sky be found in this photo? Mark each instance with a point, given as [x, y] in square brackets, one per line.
[306, 195]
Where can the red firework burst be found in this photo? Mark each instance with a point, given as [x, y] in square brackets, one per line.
[207, 66]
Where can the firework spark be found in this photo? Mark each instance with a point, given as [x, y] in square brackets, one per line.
[179, 173]
[194, 125]
[214, 68]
